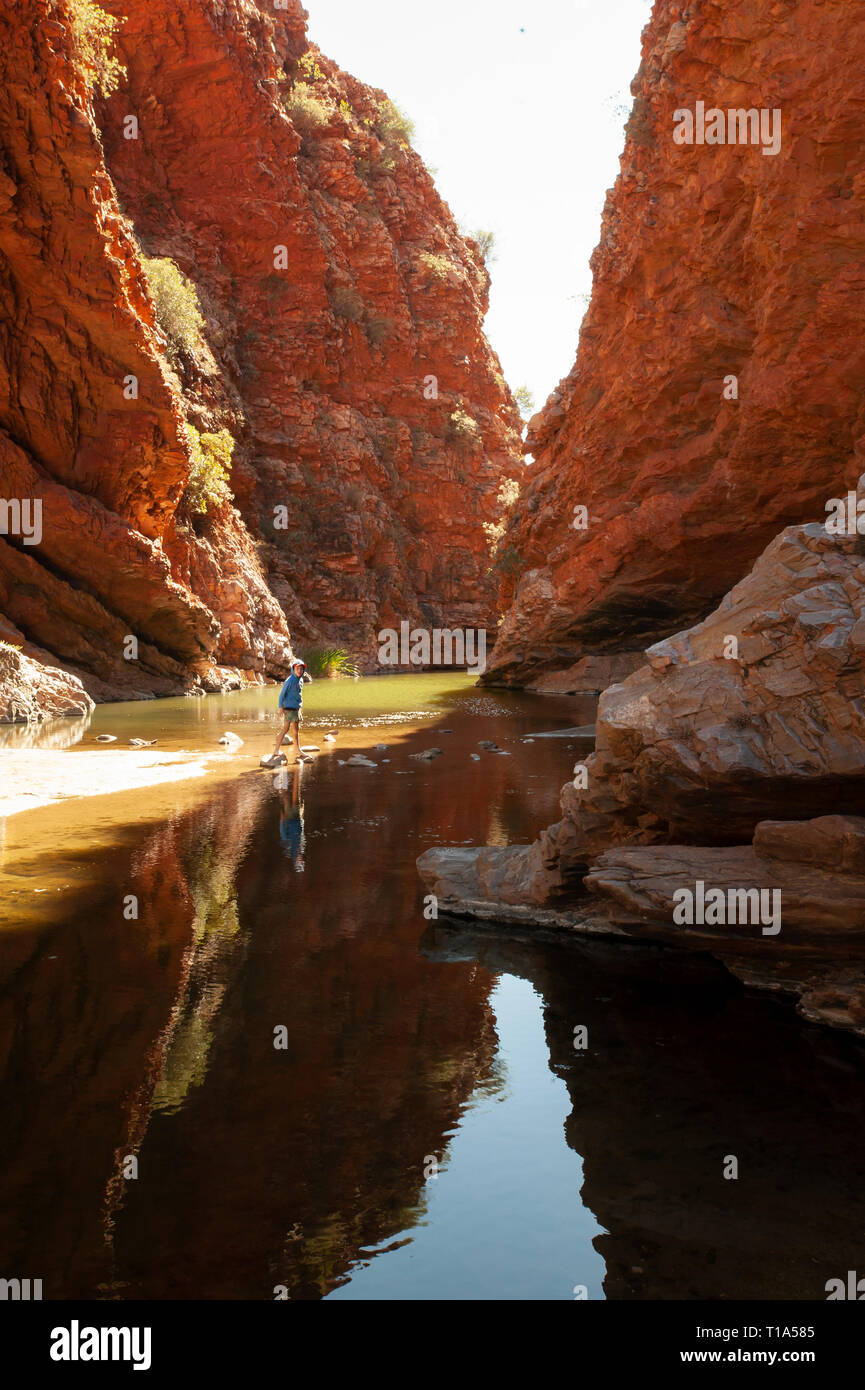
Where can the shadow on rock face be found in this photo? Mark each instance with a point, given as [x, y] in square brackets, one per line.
[683, 1071]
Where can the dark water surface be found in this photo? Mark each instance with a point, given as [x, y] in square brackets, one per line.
[427, 1130]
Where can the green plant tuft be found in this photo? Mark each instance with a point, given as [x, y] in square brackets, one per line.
[310, 68]
[395, 130]
[331, 662]
[93, 33]
[508, 562]
[486, 243]
[211, 466]
[461, 425]
[439, 266]
[308, 112]
[378, 330]
[177, 309]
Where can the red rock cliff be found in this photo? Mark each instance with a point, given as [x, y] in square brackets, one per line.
[334, 286]
[715, 261]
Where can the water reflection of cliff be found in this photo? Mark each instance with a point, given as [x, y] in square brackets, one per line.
[683, 1068]
[57, 734]
[153, 1038]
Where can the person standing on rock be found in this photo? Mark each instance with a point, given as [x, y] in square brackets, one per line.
[291, 704]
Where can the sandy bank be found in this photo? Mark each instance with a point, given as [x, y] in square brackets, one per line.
[41, 777]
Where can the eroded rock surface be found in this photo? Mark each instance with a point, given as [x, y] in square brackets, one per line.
[31, 693]
[715, 262]
[757, 712]
[344, 308]
[321, 370]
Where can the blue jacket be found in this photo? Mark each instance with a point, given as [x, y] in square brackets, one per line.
[291, 695]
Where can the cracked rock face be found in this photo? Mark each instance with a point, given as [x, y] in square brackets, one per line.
[715, 262]
[344, 363]
[756, 713]
[821, 901]
[31, 692]
[320, 370]
[813, 870]
[756, 710]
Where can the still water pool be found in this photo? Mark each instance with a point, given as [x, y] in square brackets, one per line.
[424, 1128]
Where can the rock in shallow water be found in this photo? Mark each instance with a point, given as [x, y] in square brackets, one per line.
[31, 693]
[698, 747]
[581, 731]
[756, 713]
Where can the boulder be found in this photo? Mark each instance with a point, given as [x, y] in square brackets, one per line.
[31, 693]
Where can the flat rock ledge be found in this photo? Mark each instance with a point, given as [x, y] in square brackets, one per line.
[456, 878]
[817, 869]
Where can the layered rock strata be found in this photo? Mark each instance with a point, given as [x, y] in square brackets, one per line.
[31, 692]
[340, 346]
[756, 713]
[717, 393]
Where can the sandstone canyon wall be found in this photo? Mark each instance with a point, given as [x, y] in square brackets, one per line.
[715, 261]
[334, 287]
[734, 753]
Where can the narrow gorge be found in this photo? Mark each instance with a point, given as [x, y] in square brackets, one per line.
[432, 828]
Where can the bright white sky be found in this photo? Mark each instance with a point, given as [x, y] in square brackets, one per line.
[514, 103]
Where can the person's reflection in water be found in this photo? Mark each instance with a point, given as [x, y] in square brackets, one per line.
[291, 831]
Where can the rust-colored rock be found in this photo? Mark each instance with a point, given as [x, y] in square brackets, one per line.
[810, 878]
[31, 692]
[358, 500]
[756, 712]
[715, 261]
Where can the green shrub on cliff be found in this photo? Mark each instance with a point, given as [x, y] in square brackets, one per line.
[509, 491]
[394, 129]
[439, 266]
[177, 310]
[93, 32]
[463, 426]
[525, 400]
[310, 68]
[640, 126]
[308, 112]
[486, 244]
[379, 329]
[508, 562]
[211, 465]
